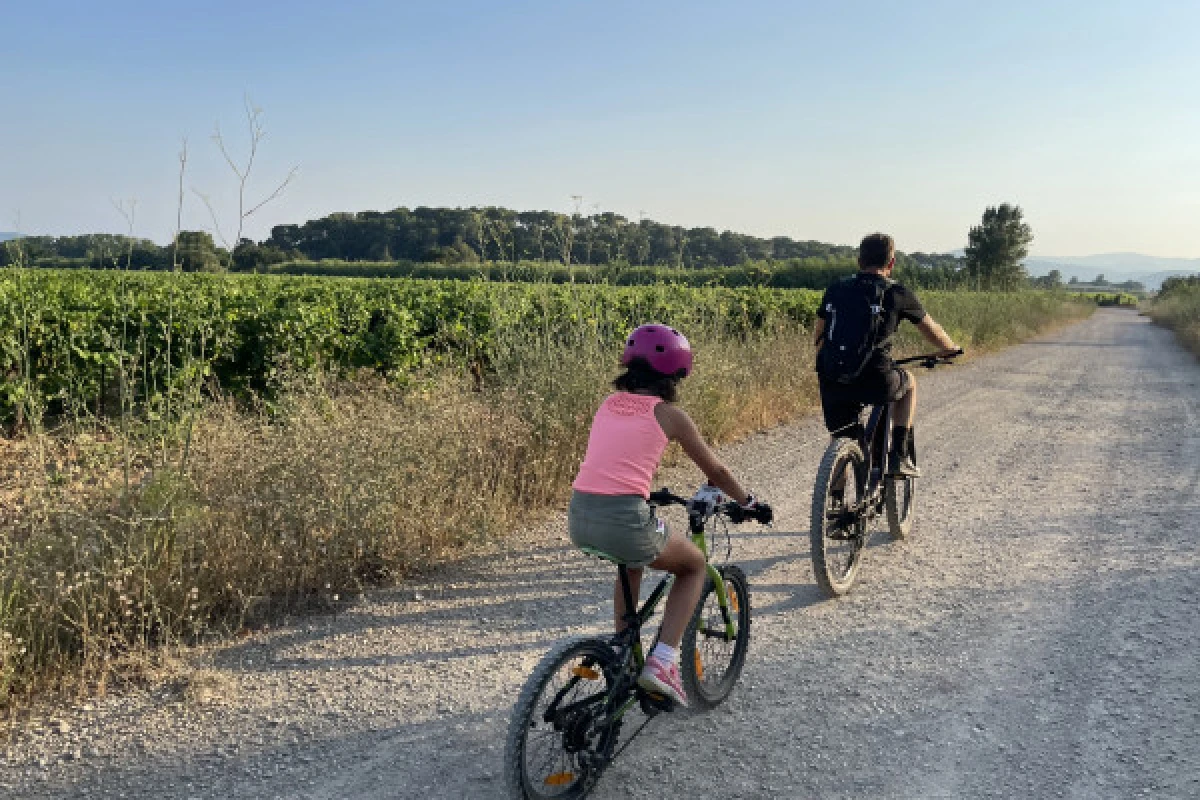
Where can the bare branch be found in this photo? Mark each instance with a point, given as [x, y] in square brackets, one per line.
[256, 132]
[183, 154]
[130, 214]
[220, 140]
[278, 189]
[212, 213]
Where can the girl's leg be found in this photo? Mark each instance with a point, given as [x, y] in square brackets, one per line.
[686, 562]
[635, 585]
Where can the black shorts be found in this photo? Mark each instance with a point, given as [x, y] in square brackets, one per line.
[842, 403]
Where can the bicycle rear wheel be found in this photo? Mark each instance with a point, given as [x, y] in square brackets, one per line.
[554, 749]
[838, 535]
[711, 659]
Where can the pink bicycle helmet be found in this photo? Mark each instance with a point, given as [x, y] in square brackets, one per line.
[665, 349]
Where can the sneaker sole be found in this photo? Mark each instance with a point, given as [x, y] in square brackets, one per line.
[652, 684]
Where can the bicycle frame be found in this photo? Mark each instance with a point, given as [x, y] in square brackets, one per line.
[876, 444]
[634, 621]
[624, 693]
[875, 439]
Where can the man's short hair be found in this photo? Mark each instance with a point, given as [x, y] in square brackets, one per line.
[876, 250]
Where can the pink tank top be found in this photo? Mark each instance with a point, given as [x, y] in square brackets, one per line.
[624, 447]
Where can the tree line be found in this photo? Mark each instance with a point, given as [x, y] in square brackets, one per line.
[450, 235]
[462, 237]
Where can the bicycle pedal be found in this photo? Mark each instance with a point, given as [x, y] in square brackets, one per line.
[654, 703]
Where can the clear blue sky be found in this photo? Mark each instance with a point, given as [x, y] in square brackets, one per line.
[814, 120]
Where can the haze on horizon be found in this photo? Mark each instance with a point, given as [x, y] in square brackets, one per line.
[768, 118]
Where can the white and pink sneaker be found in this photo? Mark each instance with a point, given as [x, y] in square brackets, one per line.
[662, 676]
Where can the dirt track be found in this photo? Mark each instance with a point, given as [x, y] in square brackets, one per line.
[1038, 636]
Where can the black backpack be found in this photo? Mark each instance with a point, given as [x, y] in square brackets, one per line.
[854, 325]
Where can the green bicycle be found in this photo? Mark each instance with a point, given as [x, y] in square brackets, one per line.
[567, 725]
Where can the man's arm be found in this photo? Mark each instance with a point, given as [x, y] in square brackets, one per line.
[819, 333]
[934, 332]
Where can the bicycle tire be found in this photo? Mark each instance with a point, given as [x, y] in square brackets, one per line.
[836, 560]
[569, 771]
[705, 648]
[899, 496]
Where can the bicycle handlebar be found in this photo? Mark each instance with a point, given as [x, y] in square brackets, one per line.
[664, 497]
[931, 360]
[761, 513]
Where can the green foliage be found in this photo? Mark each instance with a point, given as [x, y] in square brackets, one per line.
[990, 320]
[458, 236]
[1110, 298]
[77, 340]
[500, 234]
[996, 248]
[197, 252]
[95, 251]
[1178, 307]
[1178, 283]
[796, 273]
[251, 257]
[1051, 280]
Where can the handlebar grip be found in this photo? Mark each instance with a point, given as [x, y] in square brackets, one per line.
[761, 513]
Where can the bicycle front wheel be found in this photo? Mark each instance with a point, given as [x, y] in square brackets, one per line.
[713, 652]
[838, 533]
[555, 747]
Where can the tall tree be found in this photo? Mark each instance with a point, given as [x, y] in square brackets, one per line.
[197, 253]
[996, 248]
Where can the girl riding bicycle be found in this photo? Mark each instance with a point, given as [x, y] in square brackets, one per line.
[609, 513]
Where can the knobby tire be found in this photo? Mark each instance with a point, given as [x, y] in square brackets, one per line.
[836, 561]
[567, 775]
[710, 664]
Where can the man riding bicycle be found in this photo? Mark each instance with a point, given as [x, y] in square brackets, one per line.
[857, 319]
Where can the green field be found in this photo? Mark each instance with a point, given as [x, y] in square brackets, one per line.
[71, 341]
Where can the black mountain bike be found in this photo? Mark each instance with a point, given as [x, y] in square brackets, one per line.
[853, 487]
[568, 722]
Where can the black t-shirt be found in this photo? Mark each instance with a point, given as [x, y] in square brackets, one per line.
[898, 303]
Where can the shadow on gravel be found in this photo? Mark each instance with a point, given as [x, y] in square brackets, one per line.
[295, 763]
[489, 595]
[1065, 343]
[792, 597]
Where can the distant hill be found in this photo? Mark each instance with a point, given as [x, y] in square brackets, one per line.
[1115, 267]
[1127, 262]
[6, 236]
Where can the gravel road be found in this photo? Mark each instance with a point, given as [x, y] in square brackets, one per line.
[1037, 636]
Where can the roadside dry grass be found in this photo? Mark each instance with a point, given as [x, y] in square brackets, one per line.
[1179, 309]
[338, 486]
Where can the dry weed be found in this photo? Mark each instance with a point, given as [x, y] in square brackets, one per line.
[114, 546]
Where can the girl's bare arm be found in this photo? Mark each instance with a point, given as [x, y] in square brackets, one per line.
[678, 427]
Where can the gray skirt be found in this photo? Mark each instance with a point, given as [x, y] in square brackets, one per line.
[620, 527]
